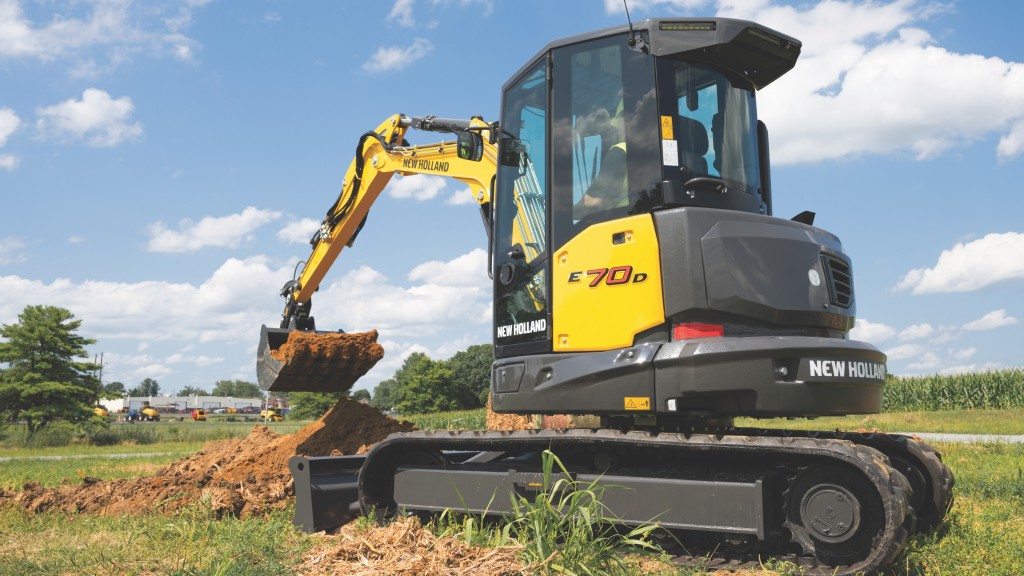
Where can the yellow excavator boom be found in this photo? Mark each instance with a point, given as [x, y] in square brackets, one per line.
[297, 357]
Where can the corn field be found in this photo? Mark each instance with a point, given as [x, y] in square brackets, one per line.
[970, 391]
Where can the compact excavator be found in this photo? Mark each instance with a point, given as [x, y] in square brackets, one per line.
[639, 276]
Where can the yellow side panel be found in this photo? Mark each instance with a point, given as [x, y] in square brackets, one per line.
[607, 286]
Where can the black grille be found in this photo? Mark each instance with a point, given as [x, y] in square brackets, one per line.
[840, 280]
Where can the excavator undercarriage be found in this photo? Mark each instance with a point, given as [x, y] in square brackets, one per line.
[832, 503]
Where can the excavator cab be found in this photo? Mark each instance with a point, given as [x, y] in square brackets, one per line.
[639, 272]
[601, 128]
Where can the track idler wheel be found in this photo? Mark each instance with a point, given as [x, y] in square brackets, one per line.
[834, 514]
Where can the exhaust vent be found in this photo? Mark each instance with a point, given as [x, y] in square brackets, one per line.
[840, 280]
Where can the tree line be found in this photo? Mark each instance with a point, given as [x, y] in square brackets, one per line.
[423, 385]
[150, 387]
[44, 379]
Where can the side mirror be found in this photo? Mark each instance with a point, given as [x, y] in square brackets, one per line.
[471, 145]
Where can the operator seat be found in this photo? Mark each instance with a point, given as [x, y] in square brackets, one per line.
[693, 146]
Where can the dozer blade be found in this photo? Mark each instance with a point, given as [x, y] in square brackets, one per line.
[307, 361]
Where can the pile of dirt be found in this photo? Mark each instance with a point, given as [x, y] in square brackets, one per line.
[242, 477]
[538, 421]
[405, 547]
[324, 361]
[507, 421]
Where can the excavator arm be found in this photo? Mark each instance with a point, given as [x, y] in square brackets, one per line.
[324, 361]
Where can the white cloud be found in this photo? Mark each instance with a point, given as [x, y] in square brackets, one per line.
[461, 197]
[871, 332]
[401, 13]
[946, 334]
[971, 368]
[866, 79]
[929, 362]
[445, 296]
[9, 124]
[466, 270]
[1012, 143]
[154, 371]
[75, 239]
[970, 266]
[990, 321]
[130, 360]
[11, 251]
[395, 353]
[152, 329]
[963, 354]
[201, 360]
[905, 351]
[107, 23]
[617, 7]
[393, 58]
[75, 30]
[298, 231]
[916, 332]
[225, 231]
[417, 187]
[484, 7]
[97, 118]
[229, 306]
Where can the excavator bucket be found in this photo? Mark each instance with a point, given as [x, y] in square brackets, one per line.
[309, 361]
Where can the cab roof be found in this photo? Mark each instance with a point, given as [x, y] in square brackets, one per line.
[747, 49]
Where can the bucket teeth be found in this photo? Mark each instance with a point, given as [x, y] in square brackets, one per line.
[296, 360]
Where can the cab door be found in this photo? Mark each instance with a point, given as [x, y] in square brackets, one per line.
[521, 251]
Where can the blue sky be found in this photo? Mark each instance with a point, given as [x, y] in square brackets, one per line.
[162, 164]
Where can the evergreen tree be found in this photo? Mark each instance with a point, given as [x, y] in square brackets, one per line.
[42, 381]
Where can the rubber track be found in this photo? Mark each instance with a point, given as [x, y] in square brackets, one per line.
[891, 486]
[940, 477]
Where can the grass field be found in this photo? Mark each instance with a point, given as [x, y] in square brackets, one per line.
[139, 437]
[1008, 421]
[982, 534]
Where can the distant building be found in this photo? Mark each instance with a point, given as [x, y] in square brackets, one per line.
[180, 403]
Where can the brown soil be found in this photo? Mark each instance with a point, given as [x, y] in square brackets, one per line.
[325, 361]
[242, 477]
[507, 421]
[538, 421]
[403, 548]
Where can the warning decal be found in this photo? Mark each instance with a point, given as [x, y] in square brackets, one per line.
[637, 403]
[666, 128]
